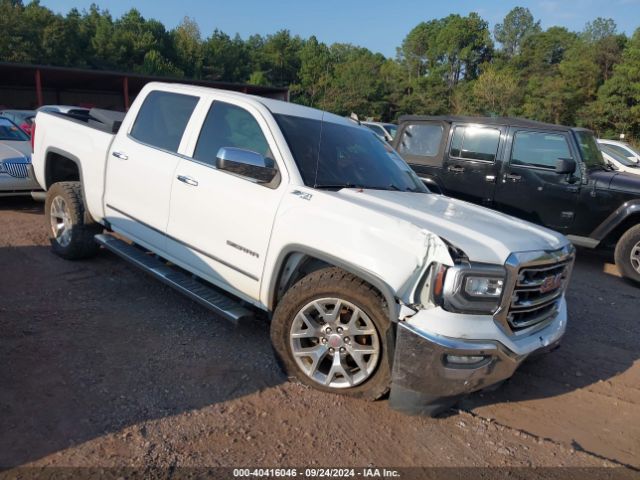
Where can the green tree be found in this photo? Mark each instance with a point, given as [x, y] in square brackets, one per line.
[188, 48]
[517, 25]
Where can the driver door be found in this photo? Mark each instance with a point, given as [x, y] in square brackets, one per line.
[220, 222]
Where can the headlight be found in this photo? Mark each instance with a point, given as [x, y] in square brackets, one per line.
[483, 287]
[465, 288]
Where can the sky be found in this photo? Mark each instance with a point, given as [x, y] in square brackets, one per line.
[378, 25]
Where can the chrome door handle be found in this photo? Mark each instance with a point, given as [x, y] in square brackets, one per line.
[188, 180]
[456, 169]
[120, 155]
[513, 177]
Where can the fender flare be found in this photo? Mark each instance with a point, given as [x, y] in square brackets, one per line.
[66, 155]
[431, 181]
[360, 272]
[623, 212]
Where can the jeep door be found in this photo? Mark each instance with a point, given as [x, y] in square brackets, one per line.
[529, 187]
[220, 222]
[470, 168]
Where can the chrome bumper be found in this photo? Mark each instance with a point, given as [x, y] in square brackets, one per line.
[425, 382]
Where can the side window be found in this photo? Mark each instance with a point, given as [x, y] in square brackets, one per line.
[227, 125]
[472, 143]
[422, 140]
[538, 149]
[163, 118]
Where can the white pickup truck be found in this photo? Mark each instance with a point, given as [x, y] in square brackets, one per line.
[371, 282]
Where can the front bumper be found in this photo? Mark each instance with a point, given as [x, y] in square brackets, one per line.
[12, 185]
[425, 382]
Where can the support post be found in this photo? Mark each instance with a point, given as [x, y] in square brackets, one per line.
[125, 91]
[39, 88]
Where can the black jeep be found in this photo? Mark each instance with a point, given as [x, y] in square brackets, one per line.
[551, 175]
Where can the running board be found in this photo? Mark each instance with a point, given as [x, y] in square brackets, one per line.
[180, 280]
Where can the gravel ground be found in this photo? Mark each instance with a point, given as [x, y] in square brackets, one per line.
[102, 366]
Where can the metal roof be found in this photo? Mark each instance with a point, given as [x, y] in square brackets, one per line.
[23, 75]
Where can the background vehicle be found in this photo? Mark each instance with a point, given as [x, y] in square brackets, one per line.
[619, 161]
[551, 175]
[622, 148]
[16, 172]
[371, 282]
[69, 109]
[22, 118]
[386, 131]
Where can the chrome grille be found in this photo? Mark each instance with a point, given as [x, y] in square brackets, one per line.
[16, 170]
[537, 292]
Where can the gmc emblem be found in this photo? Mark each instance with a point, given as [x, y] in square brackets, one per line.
[550, 283]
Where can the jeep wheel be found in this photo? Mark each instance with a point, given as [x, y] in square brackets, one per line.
[330, 332]
[628, 254]
[71, 229]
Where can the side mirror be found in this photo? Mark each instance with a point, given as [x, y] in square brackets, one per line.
[565, 165]
[246, 163]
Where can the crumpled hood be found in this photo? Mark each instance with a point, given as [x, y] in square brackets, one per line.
[19, 151]
[484, 235]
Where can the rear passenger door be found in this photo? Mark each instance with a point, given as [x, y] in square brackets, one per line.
[529, 187]
[470, 169]
[141, 164]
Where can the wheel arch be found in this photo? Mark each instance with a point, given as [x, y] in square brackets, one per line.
[296, 261]
[614, 226]
[61, 166]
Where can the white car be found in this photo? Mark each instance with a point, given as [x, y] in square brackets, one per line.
[621, 148]
[386, 131]
[71, 109]
[618, 160]
[16, 172]
[371, 283]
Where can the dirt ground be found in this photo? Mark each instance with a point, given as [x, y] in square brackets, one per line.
[100, 365]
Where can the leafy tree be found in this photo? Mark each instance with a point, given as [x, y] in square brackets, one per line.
[515, 28]
[188, 48]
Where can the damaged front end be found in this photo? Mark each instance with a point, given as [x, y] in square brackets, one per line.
[454, 337]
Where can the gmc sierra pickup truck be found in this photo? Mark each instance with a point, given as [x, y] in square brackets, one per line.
[551, 175]
[371, 283]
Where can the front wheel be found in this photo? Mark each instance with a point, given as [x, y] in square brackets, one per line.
[71, 229]
[627, 254]
[331, 331]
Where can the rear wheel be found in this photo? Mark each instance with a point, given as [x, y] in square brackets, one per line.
[627, 254]
[330, 332]
[71, 229]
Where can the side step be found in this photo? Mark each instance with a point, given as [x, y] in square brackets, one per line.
[178, 279]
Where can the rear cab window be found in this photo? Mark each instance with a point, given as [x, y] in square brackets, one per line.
[162, 119]
[539, 149]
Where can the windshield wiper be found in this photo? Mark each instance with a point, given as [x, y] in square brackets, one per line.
[336, 186]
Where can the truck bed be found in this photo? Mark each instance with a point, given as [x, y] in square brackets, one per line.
[86, 140]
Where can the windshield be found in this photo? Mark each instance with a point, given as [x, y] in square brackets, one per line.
[617, 156]
[9, 132]
[334, 156]
[589, 150]
[626, 150]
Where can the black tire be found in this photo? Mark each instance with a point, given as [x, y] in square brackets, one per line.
[336, 283]
[81, 243]
[626, 245]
